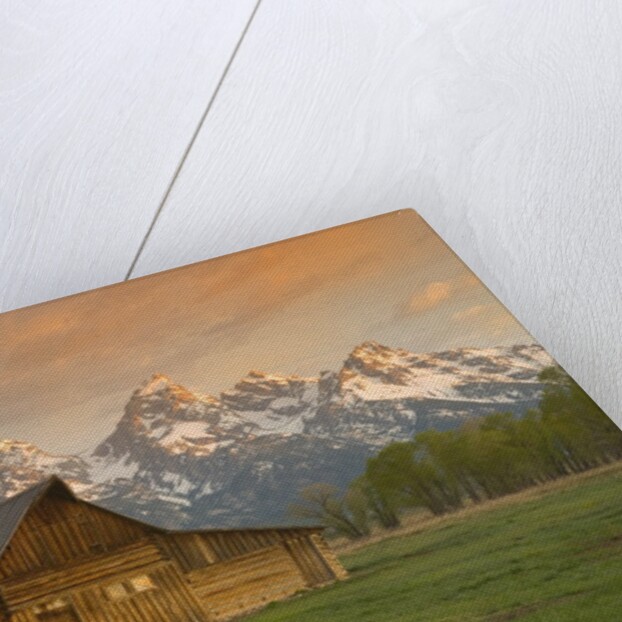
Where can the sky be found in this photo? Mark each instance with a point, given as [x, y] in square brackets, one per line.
[68, 367]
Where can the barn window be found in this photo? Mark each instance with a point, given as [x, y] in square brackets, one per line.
[142, 583]
[122, 589]
[57, 610]
[116, 591]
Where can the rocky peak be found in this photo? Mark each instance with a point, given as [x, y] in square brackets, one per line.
[23, 464]
[14, 446]
[261, 391]
[23, 453]
[159, 399]
[160, 386]
[371, 359]
[158, 383]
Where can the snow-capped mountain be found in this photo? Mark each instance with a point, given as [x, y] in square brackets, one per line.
[240, 458]
[23, 464]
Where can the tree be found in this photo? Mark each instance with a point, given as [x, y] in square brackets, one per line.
[381, 506]
[585, 436]
[485, 458]
[323, 504]
[402, 472]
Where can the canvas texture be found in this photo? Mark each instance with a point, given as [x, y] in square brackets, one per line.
[346, 425]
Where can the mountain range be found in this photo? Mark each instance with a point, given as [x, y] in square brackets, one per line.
[183, 458]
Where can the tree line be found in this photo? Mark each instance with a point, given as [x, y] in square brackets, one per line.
[483, 459]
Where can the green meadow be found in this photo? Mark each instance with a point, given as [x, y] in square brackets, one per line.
[551, 554]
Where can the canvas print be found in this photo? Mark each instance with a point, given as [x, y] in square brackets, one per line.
[347, 425]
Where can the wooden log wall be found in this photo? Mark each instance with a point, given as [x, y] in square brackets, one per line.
[313, 567]
[87, 564]
[234, 587]
[57, 531]
[23, 590]
[198, 550]
[328, 556]
[170, 599]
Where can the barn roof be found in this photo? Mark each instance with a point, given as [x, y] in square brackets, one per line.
[14, 509]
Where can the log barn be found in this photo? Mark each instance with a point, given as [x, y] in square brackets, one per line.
[63, 559]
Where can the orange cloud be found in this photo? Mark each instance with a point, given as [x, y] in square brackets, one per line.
[470, 313]
[494, 317]
[430, 297]
[435, 293]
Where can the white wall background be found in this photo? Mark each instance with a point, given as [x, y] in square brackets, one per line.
[136, 137]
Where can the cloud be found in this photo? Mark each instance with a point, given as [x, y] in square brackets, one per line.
[430, 297]
[493, 318]
[433, 294]
[470, 313]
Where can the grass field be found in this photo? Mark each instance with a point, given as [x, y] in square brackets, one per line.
[549, 555]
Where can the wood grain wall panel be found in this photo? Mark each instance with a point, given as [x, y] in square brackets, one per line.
[98, 102]
[499, 121]
[245, 583]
